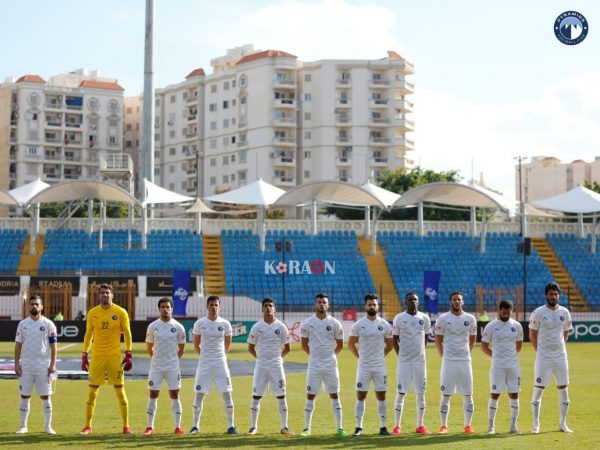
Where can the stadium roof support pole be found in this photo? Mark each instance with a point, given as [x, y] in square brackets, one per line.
[376, 214]
[594, 223]
[90, 221]
[313, 217]
[473, 221]
[420, 219]
[580, 225]
[483, 232]
[35, 217]
[144, 228]
[198, 223]
[367, 222]
[102, 222]
[260, 223]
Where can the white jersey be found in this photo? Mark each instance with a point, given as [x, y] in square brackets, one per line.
[550, 325]
[212, 339]
[166, 337]
[322, 334]
[411, 331]
[502, 336]
[371, 336]
[35, 337]
[268, 339]
[456, 331]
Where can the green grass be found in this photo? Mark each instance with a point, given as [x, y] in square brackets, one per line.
[70, 397]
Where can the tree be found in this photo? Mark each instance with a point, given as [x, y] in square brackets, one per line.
[113, 210]
[401, 181]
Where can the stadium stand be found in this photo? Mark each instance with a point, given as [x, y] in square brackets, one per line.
[167, 250]
[245, 267]
[11, 245]
[463, 267]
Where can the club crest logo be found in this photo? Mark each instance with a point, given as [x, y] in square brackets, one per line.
[571, 28]
[380, 328]
[173, 330]
[466, 323]
[277, 331]
[42, 329]
[114, 317]
[220, 328]
[562, 318]
[328, 328]
[421, 322]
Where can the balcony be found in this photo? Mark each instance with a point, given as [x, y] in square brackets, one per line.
[192, 117]
[54, 123]
[283, 160]
[343, 140]
[285, 84]
[404, 125]
[242, 144]
[52, 140]
[404, 143]
[53, 103]
[285, 122]
[343, 121]
[284, 103]
[378, 161]
[192, 99]
[343, 103]
[379, 122]
[191, 133]
[343, 84]
[284, 141]
[404, 87]
[379, 84]
[380, 141]
[284, 181]
[242, 124]
[343, 161]
[404, 106]
[74, 157]
[378, 103]
[72, 176]
[73, 124]
[344, 179]
[74, 103]
[191, 171]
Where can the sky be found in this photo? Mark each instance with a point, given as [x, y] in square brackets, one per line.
[492, 82]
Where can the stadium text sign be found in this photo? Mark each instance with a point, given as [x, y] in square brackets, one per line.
[298, 267]
[585, 332]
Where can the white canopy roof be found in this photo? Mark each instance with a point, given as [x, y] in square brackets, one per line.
[7, 199]
[258, 193]
[330, 192]
[199, 207]
[79, 189]
[388, 198]
[577, 200]
[455, 194]
[29, 190]
[156, 194]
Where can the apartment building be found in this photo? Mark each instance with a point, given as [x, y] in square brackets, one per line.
[545, 176]
[132, 135]
[265, 114]
[57, 129]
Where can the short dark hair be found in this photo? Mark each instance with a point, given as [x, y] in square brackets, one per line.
[456, 293]
[105, 286]
[267, 300]
[211, 298]
[505, 304]
[322, 295]
[410, 293]
[35, 297]
[370, 297]
[552, 286]
[165, 300]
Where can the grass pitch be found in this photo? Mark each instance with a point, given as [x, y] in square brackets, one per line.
[70, 396]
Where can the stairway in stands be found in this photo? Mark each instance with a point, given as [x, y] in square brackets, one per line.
[382, 279]
[214, 266]
[30, 264]
[561, 275]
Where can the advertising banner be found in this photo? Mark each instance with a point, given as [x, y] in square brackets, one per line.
[431, 282]
[181, 292]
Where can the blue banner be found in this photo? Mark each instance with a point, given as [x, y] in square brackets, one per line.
[431, 283]
[181, 290]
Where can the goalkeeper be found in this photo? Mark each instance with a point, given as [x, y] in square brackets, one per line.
[104, 326]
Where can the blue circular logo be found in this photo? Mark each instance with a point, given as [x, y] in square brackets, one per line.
[308, 388]
[571, 28]
[494, 387]
[42, 329]
[513, 329]
[399, 387]
[277, 331]
[172, 330]
[466, 323]
[198, 387]
[538, 380]
[220, 328]
[359, 385]
[328, 328]
[421, 322]
[150, 383]
[114, 317]
[562, 318]
[380, 328]
[443, 388]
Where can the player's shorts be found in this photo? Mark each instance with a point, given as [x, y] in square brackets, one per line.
[414, 373]
[457, 376]
[106, 369]
[41, 380]
[206, 374]
[172, 377]
[265, 376]
[509, 377]
[328, 377]
[364, 376]
[545, 368]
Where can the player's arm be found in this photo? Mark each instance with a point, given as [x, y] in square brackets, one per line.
[339, 345]
[519, 345]
[485, 348]
[304, 344]
[197, 341]
[472, 339]
[126, 332]
[286, 349]
[389, 345]
[533, 335]
[252, 349]
[18, 347]
[439, 344]
[352, 340]
[89, 334]
[180, 350]
[396, 343]
[53, 353]
[227, 343]
[566, 335]
[150, 348]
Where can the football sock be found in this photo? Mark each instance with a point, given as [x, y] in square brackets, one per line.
[444, 410]
[492, 409]
[123, 405]
[536, 404]
[151, 411]
[468, 408]
[176, 410]
[283, 412]
[228, 406]
[420, 401]
[47, 412]
[336, 406]
[359, 412]
[254, 410]
[514, 412]
[24, 410]
[197, 408]
[309, 408]
[382, 411]
[90, 405]
[563, 403]
[398, 404]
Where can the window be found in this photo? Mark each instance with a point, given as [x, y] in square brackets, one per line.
[213, 125]
[213, 181]
[225, 178]
[243, 100]
[184, 95]
[307, 135]
[112, 140]
[157, 102]
[345, 76]
[233, 139]
[343, 97]
[172, 168]
[127, 144]
[307, 154]
[32, 151]
[212, 107]
[243, 80]
[233, 102]
[156, 171]
[307, 116]
[307, 97]
[232, 83]
[242, 176]
[172, 151]
[173, 98]
[128, 127]
[137, 127]
[213, 89]
[306, 174]
[31, 169]
[232, 177]
[226, 85]
[243, 158]
[225, 123]
[185, 150]
[172, 118]
[232, 158]
[128, 110]
[225, 104]
[307, 77]
[171, 134]
[156, 154]
[171, 186]
[157, 136]
[225, 141]
[225, 160]
[376, 76]
[213, 162]
[213, 144]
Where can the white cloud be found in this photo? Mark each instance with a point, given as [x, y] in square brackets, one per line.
[452, 133]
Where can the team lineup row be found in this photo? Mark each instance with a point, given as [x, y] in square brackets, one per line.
[322, 338]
